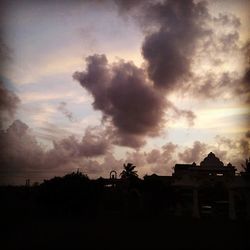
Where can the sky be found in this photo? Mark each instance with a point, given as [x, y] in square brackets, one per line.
[91, 85]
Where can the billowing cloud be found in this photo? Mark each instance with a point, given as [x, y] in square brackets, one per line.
[111, 163]
[175, 33]
[225, 58]
[125, 97]
[182, 37]
[233, 150]
[179, 38]
[94, 143]
[21, 153]
[193, 154]
[162, 161]
[22, 157]
[212, 86]
[169, 50]
[227, 149]
[153, 156]
[129, 102]
[159, 161]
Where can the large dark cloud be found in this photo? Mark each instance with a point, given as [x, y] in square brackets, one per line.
[178, 36]
[125, 97]
[175, 32]
[129, 102]
[169, 50]
[181, 36]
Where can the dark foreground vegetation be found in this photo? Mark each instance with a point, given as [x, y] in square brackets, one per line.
[113, 232]
[76, 212]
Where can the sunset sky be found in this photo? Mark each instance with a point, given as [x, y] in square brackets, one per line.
[95, 84]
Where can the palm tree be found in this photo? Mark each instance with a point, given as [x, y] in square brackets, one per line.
[128, 171]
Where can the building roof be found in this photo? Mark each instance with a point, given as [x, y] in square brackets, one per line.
[211, 161]
[211, 164]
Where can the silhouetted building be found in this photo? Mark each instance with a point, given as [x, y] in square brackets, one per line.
[208, 189]
[210, 166]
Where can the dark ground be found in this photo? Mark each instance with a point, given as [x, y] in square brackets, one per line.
[75, 213]
[112, 232]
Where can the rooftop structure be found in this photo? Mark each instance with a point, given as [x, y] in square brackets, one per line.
[210, 166]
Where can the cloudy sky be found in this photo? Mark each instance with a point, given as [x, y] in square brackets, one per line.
[94, 84]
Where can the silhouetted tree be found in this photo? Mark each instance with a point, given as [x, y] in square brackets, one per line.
[247, 165]
[128, 171]
[73, 193]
